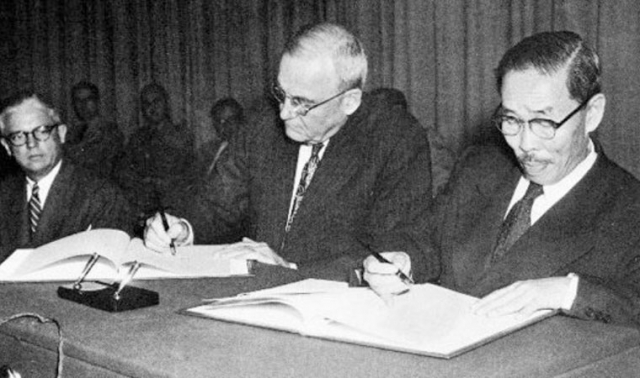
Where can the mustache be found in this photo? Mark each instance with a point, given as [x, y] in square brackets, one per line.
[530, 158]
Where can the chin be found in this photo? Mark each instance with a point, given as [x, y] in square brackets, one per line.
[295, 136]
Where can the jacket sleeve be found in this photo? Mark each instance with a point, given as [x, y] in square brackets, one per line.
[611, 299]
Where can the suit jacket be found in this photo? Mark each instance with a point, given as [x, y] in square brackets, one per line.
[592, 231]
[374, 175]
[77, 199]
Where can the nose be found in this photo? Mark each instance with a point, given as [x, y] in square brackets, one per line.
[31, 141]
[527, 138]
[287, 110]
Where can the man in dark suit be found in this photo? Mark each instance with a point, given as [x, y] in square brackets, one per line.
[49, 198]
[94, 142]
[368, 167]
[578, 249]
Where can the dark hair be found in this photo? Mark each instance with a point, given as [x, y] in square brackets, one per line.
[86, 85]
[154, 87]
[550, 52]
[390, 96]
[228, 102]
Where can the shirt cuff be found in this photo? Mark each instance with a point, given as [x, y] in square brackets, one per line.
[572, 293]
[190, 236]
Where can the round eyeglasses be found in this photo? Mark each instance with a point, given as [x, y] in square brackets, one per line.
[541, 127]
[40, 133]
[300, 105]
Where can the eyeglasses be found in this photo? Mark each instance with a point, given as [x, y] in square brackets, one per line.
[300, 106]
[541, 127]
[40, 133]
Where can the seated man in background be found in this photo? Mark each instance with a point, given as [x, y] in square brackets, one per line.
[50, 197]
[389, 96]
[94, 142]
[320, 188]
[159, 162]
[227, 116]
[552, 224]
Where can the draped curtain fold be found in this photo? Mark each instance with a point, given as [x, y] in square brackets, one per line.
[440, 53]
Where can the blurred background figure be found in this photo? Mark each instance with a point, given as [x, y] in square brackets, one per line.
[159, 161]
[93, 142]
[390, 97]
[227, 115]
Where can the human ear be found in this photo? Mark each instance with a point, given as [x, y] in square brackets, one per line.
[351, 101]
[6, 146]
[62, 132]
[595, 112]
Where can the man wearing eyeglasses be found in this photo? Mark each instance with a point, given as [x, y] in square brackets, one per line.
[320, 187]
[49, 198]
[551, 224]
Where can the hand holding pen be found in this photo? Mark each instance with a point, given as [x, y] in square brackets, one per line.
[388, 273]
[399, 273]
[164, 230]
[165, 224]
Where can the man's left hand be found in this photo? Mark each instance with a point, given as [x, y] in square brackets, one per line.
[252, 250]
[525, 297]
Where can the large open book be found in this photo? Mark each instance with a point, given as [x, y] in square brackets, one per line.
[428, 319]
[65, 259]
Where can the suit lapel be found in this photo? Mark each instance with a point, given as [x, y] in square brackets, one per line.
[57, 207]
[280, 188]
[339, 164]
[475, 235]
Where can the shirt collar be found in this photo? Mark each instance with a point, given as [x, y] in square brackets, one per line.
[44, 184]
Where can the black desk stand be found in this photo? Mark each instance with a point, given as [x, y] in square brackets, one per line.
[114, 297]
[129, 298]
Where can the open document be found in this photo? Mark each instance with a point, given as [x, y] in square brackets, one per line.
[428, 319]
[65, 259]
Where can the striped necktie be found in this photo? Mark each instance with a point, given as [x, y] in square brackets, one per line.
[517, 222]
[35, 208]
[305, 179]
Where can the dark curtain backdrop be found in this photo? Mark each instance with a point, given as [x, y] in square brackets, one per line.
[440, 53]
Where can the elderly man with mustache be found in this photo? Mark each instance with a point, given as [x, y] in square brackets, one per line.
[551, 224]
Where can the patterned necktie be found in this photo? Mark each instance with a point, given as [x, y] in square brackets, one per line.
[35, 208]
[517, 222]
[305, 178]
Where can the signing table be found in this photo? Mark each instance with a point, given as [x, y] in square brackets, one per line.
[159, 342]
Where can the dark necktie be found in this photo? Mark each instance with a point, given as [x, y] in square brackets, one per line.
[305, 178]
[35, 208]
[517, 222]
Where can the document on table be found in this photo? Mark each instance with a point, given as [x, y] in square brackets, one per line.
[428, 320]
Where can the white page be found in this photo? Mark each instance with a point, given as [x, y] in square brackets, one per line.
[65, 259]
[75, 249]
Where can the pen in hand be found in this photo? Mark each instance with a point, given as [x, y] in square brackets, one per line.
[125, 281]
[165, 224]
[399, 273]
